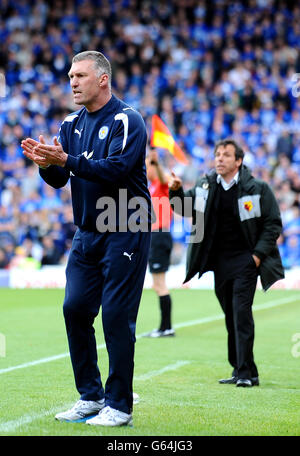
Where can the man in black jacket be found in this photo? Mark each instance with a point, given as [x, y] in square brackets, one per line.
[241, 225]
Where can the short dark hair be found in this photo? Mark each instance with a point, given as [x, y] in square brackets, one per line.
[102, 64]
[239, 153]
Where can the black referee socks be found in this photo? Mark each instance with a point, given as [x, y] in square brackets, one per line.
[165, 303]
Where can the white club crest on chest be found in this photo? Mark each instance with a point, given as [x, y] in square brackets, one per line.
[103, 132]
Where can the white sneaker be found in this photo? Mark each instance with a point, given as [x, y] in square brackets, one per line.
[158, 333]
[135, 398]
[81, 410]
[111, 417]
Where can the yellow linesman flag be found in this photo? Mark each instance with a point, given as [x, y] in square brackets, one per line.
[161, 137]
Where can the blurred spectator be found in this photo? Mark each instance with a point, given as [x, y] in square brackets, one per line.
[290, 252]
[11, 193]
[4, 261]
[21, 260]
[7, 225]
[51, 254]
[284, 144]
[31, 181]
[292, 227]
[12, 161]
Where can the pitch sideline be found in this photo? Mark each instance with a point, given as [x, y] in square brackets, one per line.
[12, 425]
[185, 324]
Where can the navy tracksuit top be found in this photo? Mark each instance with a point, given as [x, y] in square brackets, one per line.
[106, 152]
[106, 155]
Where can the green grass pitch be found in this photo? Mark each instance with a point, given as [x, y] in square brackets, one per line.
[176, 378]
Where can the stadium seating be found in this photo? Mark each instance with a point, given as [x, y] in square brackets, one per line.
[208, 69]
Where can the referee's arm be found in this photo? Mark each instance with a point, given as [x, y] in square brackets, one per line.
[154, 161]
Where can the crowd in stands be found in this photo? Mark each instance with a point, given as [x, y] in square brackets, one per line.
[209, 68]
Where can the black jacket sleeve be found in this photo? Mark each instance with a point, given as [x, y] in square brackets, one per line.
[182, 202]
[271, 224]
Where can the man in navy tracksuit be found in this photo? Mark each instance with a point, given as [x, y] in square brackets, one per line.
[101, 148]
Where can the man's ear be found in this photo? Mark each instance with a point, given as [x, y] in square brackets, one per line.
[103, 79]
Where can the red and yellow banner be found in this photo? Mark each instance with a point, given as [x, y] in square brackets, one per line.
[161, 137]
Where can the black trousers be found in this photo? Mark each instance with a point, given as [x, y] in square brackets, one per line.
[235, 285]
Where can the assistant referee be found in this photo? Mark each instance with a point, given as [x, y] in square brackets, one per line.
[161, 243]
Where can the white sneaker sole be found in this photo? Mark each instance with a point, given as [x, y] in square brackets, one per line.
[78, 420]
[94, 422]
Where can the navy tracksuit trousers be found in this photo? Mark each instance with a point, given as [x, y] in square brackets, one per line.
[105, 269]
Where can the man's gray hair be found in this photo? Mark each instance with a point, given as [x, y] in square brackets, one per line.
[102, 64]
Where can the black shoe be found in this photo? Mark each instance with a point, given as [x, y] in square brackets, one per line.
[246, 382]
[228, 381]
[233, 380]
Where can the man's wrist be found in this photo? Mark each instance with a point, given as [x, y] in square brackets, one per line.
[64, 160]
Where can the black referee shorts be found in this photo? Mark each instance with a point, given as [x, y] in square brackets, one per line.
[160, 251]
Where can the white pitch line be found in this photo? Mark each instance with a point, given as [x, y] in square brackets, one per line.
[184, 324]
[10, 426]
[155, 373]
[277, 302]
[256, 307]
[39, 361]
[34, 363]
